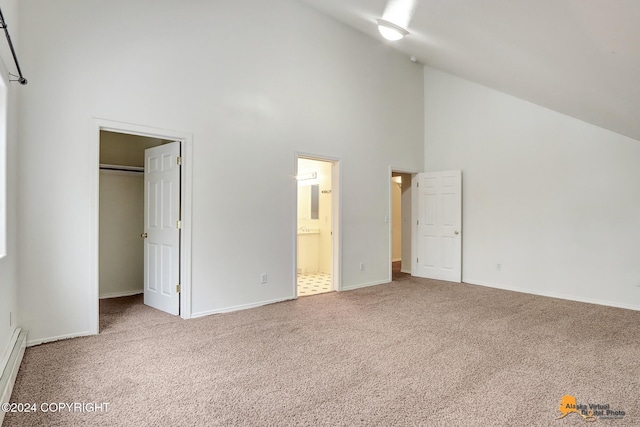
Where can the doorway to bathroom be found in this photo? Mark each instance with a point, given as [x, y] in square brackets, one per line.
[315, 269]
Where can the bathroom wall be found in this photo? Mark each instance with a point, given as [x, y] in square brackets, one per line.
[324, 176]
[396, 218]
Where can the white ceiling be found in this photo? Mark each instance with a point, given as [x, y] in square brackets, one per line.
[578, 57]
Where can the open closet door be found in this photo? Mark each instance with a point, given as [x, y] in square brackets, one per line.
[439, 226]
[162, 227]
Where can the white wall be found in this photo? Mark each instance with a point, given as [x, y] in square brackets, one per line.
[253, 82]
[8, 263]
[552, 199]
[121, 223]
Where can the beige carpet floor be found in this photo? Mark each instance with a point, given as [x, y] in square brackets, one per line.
[410, 353]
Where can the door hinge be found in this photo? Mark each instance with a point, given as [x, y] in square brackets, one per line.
[179, 160]
[178, 288]
[418, 184]
[179, 224]
[418, 222]
[417, 260]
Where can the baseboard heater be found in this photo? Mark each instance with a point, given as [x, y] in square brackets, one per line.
[10, 369]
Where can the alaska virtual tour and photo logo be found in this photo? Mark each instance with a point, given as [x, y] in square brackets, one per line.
[590, 411]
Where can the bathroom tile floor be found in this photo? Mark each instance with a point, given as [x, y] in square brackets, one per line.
[314, 283]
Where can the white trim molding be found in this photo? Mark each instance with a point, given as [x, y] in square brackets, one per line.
[10, 366]
[239, 307]
[121, 294]
[553, 295]
[365, 285]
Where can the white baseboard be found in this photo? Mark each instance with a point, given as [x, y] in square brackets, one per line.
[402, 270]
[121, 294]
[39, 341]
[364, 285]
[11, 366]
[9, 349]
[555, 295]
[238, 307]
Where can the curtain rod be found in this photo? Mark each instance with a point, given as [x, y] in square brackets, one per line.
[3, 25]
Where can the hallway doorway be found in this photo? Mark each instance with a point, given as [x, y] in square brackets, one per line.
[400, 225]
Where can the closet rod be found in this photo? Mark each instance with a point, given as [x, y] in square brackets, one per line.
[137, 169]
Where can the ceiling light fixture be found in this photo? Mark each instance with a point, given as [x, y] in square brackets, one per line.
[391, 31]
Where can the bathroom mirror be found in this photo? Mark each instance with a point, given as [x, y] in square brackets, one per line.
[309, 202]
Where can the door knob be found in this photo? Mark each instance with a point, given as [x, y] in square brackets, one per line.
[455, 232]
[143, 235]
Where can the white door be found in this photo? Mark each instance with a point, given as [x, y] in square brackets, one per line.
[161, 227]
[439, 226]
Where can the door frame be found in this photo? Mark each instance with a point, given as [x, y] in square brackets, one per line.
[336, 219]
[186, 197]
[413, 173]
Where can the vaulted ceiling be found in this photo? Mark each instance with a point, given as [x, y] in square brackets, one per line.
[578, 57]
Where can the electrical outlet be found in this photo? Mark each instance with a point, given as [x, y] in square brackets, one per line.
[263, 278]
[499, 267]
[361, 266]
